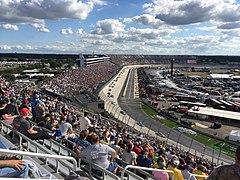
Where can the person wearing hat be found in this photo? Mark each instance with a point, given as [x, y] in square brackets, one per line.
[25, 104]
[177, 173]
[21, 124]
[227, 172]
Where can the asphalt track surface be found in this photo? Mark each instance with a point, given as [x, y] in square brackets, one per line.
[132, 106]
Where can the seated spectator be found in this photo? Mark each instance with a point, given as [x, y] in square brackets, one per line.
[12, 107]
[227, 172]
[144, 160]
[177, 173]
[201, 170]
[10, 167]
[4, 116]
[116, 147]
[81, 142]
[99, 154]
[185, 169]
[25, 104]
[137, 147]
[128, 155]
[56, 131]
[21, 124]
[158, 174]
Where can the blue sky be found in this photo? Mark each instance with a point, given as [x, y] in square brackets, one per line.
[201, 27]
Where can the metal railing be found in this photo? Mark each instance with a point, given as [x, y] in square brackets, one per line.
[144, 168]
[38, 147]
[56, 157]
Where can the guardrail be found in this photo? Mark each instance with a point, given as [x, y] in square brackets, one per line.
[144, 168]
[56, 157]
[38, 147]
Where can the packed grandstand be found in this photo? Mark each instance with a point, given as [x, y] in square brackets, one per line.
[55, 139]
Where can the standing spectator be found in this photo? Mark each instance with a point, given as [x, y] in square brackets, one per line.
[227, 172]
[65, 127]
[144, 160]
[39, 111]
[85, 123]
[34, 102]
[177, 173]
[99, 154]
[21, 124]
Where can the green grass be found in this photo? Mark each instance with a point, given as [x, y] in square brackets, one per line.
[226, 148]
[149, 110]
[170, 123]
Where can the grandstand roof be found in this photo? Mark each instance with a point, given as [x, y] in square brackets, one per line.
[215, 112]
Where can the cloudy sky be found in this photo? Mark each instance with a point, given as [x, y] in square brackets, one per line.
[201, 27]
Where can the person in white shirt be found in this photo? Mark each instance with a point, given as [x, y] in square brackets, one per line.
[85, 122]
[65, 128]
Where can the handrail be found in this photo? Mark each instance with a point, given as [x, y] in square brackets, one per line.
[36, 145]
[198, 175]
[144, 168]
[41, 155]
[96, 166]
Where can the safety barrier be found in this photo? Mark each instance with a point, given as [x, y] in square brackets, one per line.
[144, 168]
[56, 157]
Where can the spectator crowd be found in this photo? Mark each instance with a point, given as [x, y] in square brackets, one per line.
[106, 142]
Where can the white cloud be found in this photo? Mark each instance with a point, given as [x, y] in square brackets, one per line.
[67, 31]
[193, 11]
[80, 31]
[231, 25]
[145, 19]
[37, 11]
[108, 26]
[9, 27]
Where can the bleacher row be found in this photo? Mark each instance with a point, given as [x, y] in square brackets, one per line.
[59, 159]
[60, 168]
[63, 160]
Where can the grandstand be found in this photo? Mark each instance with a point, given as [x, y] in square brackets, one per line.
[57, 156]
[86, 60]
